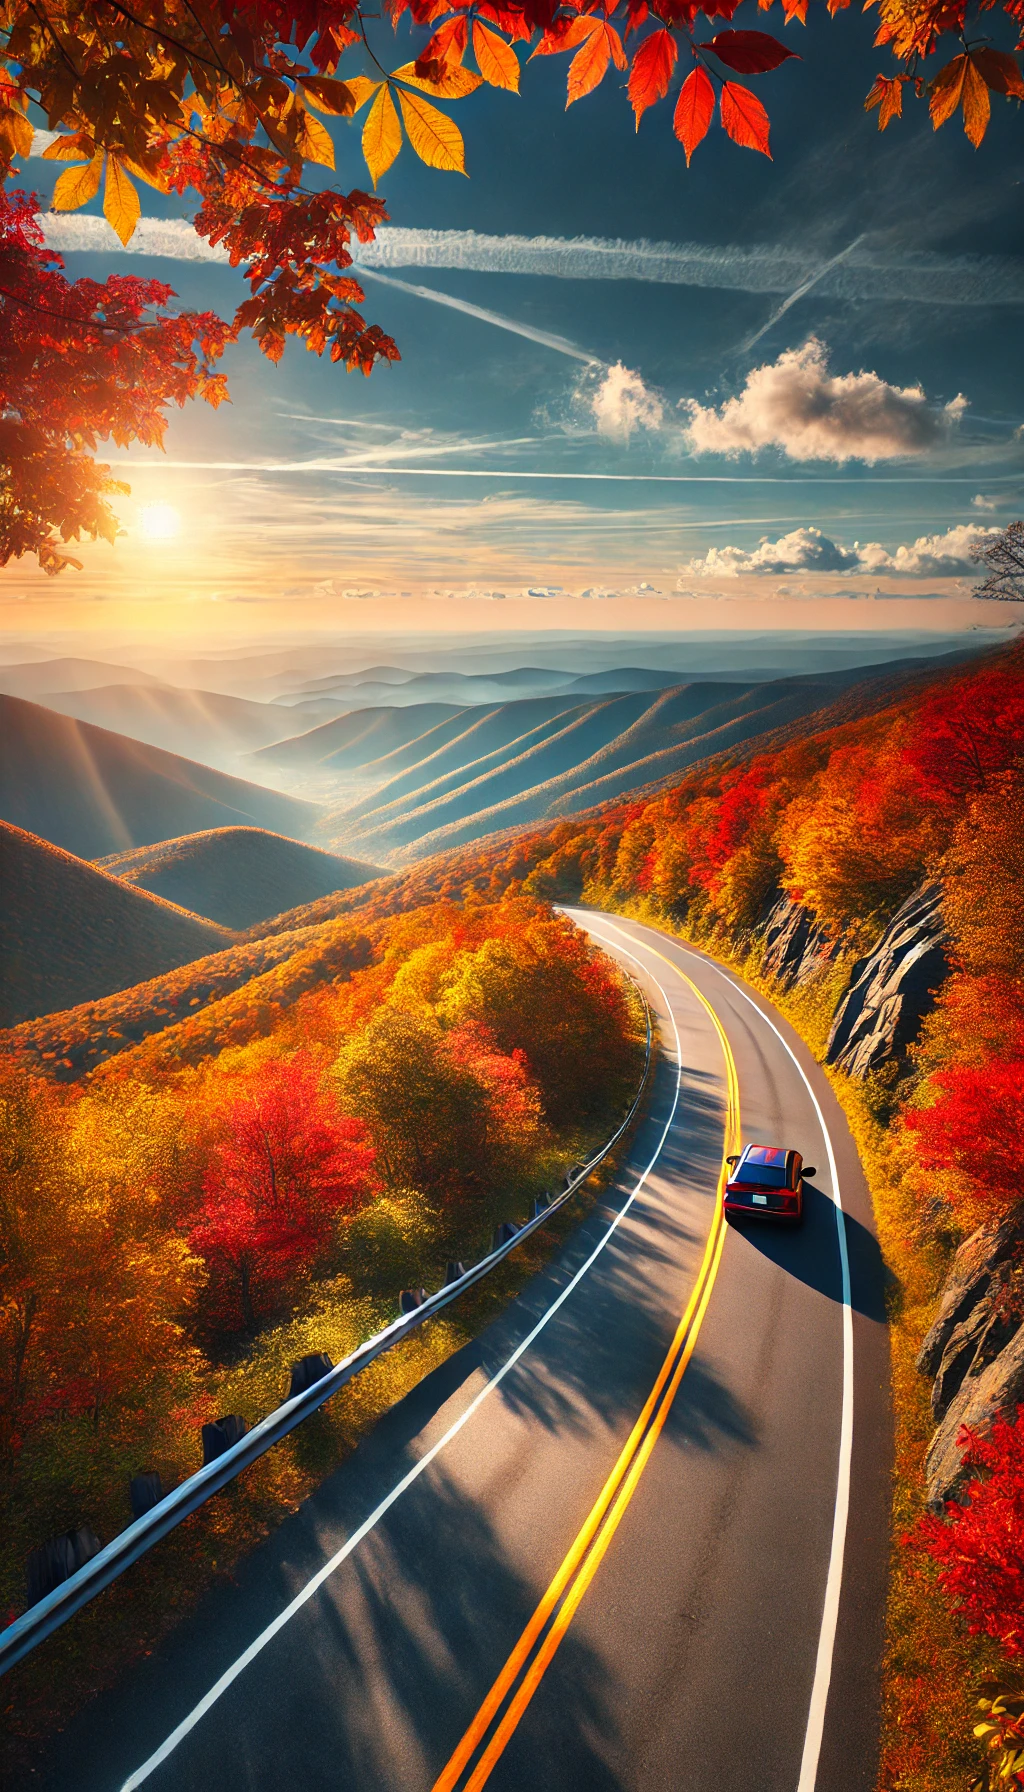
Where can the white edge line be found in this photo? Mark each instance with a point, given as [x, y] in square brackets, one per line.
[312, 1586]
[834, 1581]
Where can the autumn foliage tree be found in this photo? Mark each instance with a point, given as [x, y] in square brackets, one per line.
[979, 1545]
[226, 101]
[82, 362]
[285, 1168]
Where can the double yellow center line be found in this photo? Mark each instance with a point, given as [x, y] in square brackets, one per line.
[495, 1722]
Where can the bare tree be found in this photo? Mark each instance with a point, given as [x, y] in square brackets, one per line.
[1004, 558]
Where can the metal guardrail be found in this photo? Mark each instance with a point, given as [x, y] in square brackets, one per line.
[43, 1618]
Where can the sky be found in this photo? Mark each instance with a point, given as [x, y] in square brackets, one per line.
[632, 396]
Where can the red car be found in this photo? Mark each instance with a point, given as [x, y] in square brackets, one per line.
[766, 1182]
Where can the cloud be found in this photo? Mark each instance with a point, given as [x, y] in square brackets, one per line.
[980, 502]
[621, 404]
[796, 405]
[930, 556]
[809, 551]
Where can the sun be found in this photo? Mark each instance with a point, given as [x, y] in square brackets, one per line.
[159, 522]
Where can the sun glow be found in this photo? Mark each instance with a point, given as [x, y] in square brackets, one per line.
[159, 522]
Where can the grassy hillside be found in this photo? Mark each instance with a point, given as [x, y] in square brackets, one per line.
[70, 933]
[196, 723]
[237, 876]
[94, 792]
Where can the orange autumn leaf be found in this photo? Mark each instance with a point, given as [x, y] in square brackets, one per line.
[590, 63]
[652, 70]
[744, 118]
[496, 60]
[999, 71]
[694, 111]
[887, 95]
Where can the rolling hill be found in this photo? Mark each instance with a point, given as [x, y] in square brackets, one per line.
[237, 876]
[202, 724]
[483, 775]
[37, 678]
[70, 933]
[95, 792]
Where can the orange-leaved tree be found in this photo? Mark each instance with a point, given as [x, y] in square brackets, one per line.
[226, 101]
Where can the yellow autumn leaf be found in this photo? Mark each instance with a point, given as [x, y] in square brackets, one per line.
[435, 137]
[121, 206]
[330, 96]
[15, 129]
[361, 87]
[382, 134]
[454, 84]
[69, 149]
[496, 60]
[76, 186]
[314, 142]
[149, 175]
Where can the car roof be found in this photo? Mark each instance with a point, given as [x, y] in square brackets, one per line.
[766, 1154]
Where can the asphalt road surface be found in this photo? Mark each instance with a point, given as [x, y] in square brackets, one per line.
[641, 1536]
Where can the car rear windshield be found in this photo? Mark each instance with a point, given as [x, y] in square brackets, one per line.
[763, 1175]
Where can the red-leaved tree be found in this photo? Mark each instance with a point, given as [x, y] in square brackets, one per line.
[979, 1547]
[286, 1167]
[82, 362]
[973, 1130]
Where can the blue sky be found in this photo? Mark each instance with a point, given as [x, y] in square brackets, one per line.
[712, 457]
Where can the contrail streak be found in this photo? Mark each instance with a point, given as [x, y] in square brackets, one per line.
[804, 287]
[859, 273]
[546, 338]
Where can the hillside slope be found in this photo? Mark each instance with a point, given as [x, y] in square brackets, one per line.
[36, 678]
[94, 792]
[203, 723]
[237, 876]
[70, 933]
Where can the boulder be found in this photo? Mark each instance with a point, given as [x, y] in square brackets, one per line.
[892, 989]
[794, 944]
[972, 1277]
[997, 1387]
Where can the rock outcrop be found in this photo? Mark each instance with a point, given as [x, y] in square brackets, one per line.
[988, 1389]
[892, 989]
[795, 946]
[975, 1347]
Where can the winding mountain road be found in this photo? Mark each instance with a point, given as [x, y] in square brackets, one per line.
[632, 1539]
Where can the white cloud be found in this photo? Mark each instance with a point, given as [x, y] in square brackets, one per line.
[802, 550]
[808, 550]
[622, 403]
[980, 502]
[795, 404]
[929, 557]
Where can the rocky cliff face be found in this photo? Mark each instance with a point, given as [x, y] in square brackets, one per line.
[795, 946]
[975, 1348]
[892, 989]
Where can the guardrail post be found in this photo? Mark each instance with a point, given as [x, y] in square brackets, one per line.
[541, 1203]
[504, 1233]
[59, 1559]
[410, 1299]
[221, 1434]
[454, 1270]
[145, 1491]
[308, 1370]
